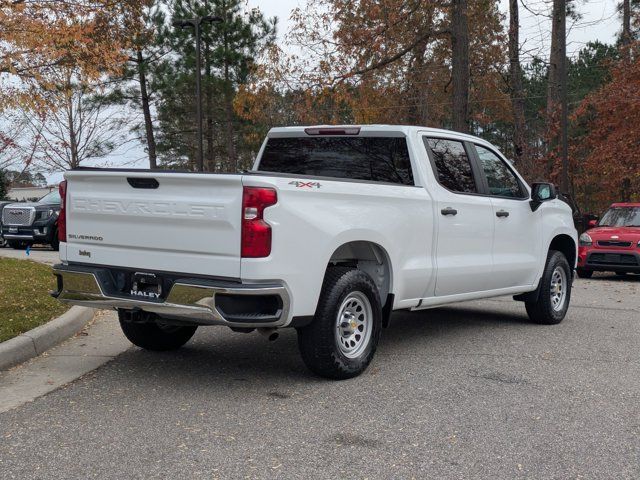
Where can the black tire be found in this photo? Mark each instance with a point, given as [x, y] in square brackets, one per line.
[55, 243]
[585, 273]
[17, 244]
[152, 336]
[542, 311]
[319, 341]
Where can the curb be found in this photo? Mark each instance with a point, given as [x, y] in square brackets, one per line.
[34, 342]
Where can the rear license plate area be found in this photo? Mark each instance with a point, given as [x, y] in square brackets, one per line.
[146, 286]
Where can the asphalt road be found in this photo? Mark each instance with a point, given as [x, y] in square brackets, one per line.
[472, 391]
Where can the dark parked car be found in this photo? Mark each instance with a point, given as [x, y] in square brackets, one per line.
[24, 224]
[3, 242]
[582, 221]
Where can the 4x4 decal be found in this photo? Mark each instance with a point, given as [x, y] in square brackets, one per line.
[300, 184]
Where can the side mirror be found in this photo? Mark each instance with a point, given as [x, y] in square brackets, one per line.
[542, 192]
[592, 223]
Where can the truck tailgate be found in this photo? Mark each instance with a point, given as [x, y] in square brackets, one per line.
[174, 222]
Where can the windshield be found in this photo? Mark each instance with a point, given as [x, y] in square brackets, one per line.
[621, 217]
[51, 198]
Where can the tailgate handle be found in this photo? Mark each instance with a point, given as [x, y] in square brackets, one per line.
[150, 183]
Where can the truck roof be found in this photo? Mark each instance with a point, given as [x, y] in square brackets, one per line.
[374, 129]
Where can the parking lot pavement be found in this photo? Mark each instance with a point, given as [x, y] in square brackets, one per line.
[37, 254]
[471, 391]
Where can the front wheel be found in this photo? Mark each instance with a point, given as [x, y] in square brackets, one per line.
[555, 291]
[343, 336]
[154, 335]
[17, 244]
[55, 242]
[584, 273]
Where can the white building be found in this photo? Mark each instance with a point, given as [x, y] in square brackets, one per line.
[29, 193]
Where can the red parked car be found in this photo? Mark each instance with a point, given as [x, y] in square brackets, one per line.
[613, 245]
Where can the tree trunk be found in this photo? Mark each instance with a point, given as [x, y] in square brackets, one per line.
[146, 110]
[420, 115]
[73, 134]
[565, 185]
[558, 39]
[554, 83]
[229, 120]
[517, 94]
[627, 37]
[228, 107]
[460, 65]
[626, 22]
[208, 101]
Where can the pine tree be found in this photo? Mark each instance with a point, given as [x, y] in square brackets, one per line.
[229, 52]
[132, 86]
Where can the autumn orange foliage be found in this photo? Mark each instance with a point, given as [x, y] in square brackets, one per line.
[607, 158]
[37, 36]
[382, 61]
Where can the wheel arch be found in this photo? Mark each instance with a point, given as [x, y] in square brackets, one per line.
[567, 246]
[371, 258]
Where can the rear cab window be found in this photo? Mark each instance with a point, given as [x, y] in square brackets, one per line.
[376, 159]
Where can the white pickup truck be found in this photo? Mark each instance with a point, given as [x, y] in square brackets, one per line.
[332, 230]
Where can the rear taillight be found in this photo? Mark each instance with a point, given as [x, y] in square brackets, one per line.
[62, 216]
[256, 233]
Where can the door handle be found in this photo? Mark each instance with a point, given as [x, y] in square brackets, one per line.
[502, 214]
[449, 211]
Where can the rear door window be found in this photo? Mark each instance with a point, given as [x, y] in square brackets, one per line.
[452, 165]
[378, 159]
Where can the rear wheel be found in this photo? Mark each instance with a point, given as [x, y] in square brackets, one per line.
[555, 291]
[153, 335]
[585, 273]
[344, 335]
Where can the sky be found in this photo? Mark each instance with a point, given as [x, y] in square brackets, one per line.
[599, 22]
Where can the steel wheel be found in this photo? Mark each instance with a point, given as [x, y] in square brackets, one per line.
[354, 324]
[558, 289]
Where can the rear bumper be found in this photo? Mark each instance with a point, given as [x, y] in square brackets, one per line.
[195, 301]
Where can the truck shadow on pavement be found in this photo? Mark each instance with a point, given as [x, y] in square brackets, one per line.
[217, 356]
